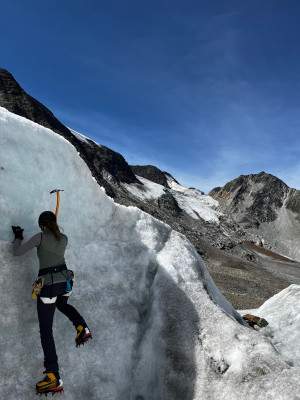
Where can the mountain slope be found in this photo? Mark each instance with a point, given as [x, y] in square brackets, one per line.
[264, 206]
[105, 164]
[161, 328]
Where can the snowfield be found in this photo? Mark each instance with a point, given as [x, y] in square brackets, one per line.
[192, 201]
[161, 328]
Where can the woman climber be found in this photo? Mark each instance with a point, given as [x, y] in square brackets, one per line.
[53, 289]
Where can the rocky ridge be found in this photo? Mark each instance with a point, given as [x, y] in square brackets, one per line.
[108, 167]
[252, 199]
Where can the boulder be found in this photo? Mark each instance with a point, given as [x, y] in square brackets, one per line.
[255, 322]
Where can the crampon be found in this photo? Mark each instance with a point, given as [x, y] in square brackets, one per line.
[59, 389]
[50, 384]
[83, 335]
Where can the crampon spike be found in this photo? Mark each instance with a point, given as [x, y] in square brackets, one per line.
[86, 339]
[53, 392]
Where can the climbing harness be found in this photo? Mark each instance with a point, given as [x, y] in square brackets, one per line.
[39, 282]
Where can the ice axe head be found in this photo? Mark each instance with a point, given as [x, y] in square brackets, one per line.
[56, 191]
[57, 199]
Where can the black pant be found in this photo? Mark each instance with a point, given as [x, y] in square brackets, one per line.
[45, 315]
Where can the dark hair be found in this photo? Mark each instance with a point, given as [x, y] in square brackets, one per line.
[52, 225]
[48, 219]
[46, 216]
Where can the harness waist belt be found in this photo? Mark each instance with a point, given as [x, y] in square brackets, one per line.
[50, 270]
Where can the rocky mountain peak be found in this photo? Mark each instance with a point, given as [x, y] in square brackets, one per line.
[252, 198]
[8, 84]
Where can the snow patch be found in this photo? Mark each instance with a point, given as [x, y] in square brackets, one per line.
[174, 185]
[83, 138]
[147, 191]
[198, 205]
[192, 201]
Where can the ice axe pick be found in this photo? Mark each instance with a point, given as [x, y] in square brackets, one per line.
[57, 199]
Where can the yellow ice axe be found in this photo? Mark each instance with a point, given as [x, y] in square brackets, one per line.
[57, 199]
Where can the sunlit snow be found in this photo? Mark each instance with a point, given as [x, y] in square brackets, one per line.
[282, 311]
[198, 205]
[147, 191]
[83, 138]
[174, 185]
[161, 328]
[79, 136]
[192, 201]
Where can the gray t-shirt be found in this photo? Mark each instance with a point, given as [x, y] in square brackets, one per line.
[50, 253]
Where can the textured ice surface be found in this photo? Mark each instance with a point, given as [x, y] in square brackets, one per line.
[161, 328]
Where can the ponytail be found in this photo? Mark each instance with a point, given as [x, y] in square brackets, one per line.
[52, 225]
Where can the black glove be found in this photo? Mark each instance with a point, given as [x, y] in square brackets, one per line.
[18, 232]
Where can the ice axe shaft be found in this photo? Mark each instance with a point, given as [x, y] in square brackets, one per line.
[57, 199]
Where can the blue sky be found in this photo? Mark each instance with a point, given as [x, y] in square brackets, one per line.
[206, 90]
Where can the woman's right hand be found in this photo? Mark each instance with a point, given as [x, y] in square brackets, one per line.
[18, 232]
